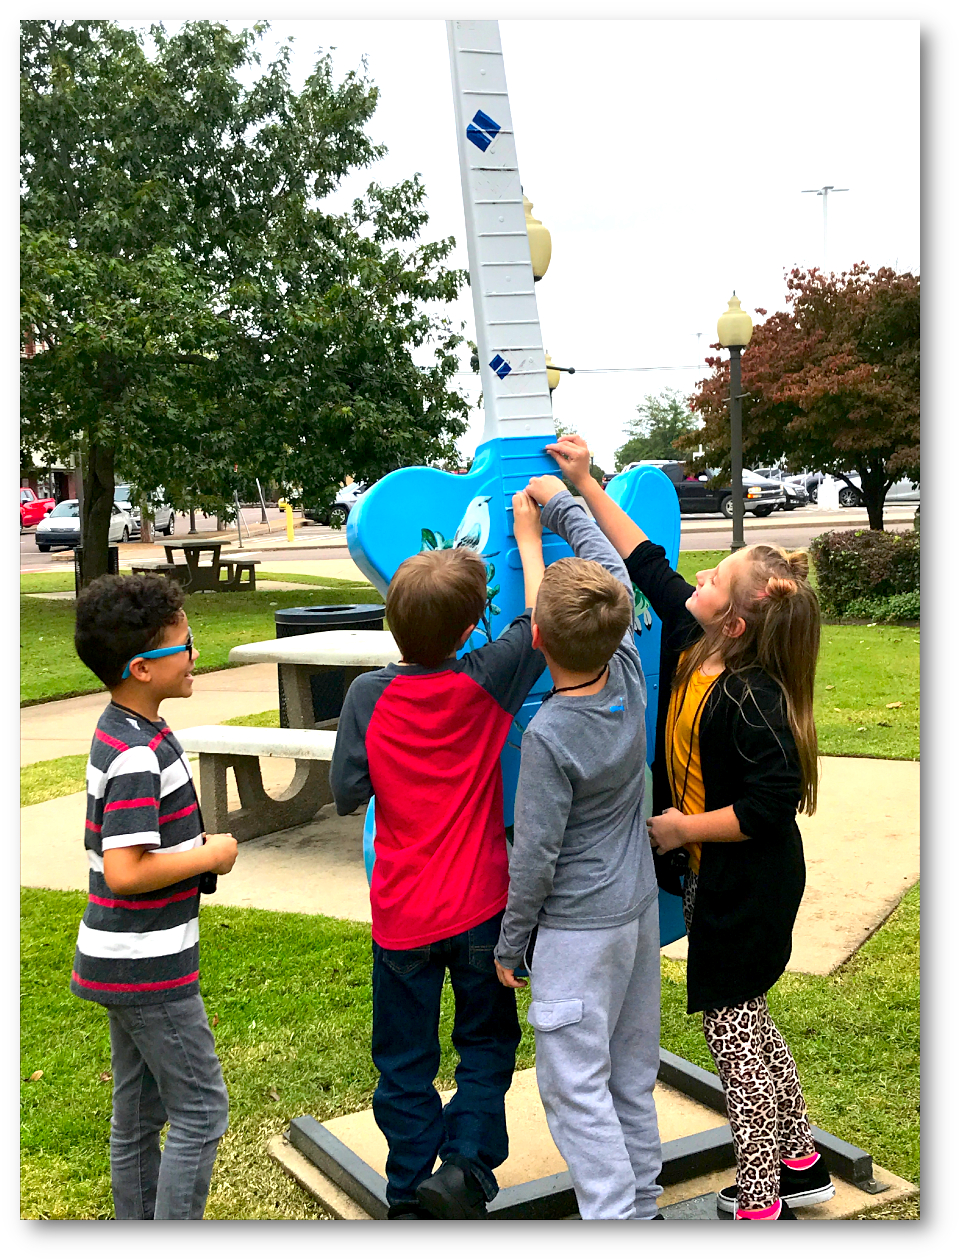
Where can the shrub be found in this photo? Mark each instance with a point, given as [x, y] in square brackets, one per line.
[865, 564]
[904, 607]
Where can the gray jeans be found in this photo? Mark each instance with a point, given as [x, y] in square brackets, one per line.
[165, 1067]
[595, 1009]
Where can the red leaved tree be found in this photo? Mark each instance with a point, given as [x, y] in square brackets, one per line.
[831, 384]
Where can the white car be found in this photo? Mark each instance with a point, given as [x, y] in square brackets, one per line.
[62, 527]
[164, 517]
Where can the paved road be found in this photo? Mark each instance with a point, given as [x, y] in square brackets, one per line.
[785, 529]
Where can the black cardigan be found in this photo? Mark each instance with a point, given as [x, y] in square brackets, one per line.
[748, 891]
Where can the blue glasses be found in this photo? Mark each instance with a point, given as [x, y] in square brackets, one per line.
[158, 652]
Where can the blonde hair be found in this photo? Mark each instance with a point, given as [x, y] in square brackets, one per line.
[583, 612]
[771, 592]
[432, 599]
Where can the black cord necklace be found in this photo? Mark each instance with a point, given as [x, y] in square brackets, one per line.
[554, 691]
[207, 879]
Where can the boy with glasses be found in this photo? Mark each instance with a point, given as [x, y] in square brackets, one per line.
[138, 944]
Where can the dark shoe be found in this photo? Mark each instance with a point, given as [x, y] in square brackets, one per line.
[798, 1188]
[407, 1212]
[452, 1194]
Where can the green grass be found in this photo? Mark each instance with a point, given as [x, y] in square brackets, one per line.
[36, 583]
[44, 780]
[269, 717]
[290, 997]
[50, 669]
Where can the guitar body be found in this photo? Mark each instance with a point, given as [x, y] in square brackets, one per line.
[424, 509]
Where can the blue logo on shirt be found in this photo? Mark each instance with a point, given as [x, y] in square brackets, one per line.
[618, 707]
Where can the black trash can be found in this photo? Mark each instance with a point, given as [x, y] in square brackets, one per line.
[113, 564]
[327, 687]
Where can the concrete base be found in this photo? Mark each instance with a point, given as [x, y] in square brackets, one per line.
[533, 1156]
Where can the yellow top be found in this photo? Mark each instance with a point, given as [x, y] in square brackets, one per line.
[683, 750]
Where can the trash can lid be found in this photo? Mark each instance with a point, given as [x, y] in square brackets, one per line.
[329, 614]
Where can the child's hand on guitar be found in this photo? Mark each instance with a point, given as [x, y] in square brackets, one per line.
[526, 518]
[544, 488]
[573, 455]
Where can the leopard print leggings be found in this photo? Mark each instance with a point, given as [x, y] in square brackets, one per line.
[765, 1107]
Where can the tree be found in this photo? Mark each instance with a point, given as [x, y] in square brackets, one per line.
[661, 420]
[832, 383]
[201, 319]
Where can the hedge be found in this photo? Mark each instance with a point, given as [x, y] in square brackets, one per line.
[865, 564]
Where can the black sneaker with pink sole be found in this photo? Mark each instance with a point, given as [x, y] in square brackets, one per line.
[798, 1188]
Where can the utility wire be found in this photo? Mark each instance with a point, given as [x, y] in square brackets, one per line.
[672, 367]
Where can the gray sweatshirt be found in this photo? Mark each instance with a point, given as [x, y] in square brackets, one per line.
[581, 857]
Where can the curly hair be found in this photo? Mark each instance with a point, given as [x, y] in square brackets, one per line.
[119, 617]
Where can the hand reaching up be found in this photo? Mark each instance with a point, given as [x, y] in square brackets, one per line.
[573, 455]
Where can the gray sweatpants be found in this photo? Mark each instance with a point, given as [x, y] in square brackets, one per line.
[165, 1067]
[595, 1008]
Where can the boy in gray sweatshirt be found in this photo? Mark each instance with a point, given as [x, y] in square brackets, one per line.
[582, 906]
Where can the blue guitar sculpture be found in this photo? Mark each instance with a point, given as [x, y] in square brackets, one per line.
[416, 509]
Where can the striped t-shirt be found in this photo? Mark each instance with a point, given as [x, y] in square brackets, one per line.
[140, 947]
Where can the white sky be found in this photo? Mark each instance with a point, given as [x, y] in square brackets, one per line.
[667, 160]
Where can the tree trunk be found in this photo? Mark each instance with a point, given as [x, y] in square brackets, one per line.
[874, 484]
[146, 525]
[98, 488]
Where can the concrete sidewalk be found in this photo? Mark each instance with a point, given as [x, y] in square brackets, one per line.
[862, 852]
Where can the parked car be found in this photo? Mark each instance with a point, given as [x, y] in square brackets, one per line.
[164, 517]
[32, 509]
[335, 514]
[794, 491]
[62, 527]
[902, 491]
[705, 493]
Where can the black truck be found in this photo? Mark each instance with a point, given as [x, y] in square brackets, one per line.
[707, 492]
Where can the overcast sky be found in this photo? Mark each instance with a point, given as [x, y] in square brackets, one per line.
[667, 160]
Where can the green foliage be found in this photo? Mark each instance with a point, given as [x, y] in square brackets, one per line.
[865, 564]
[289, 997]
[905, 607]
[200, 318]
[661, 420]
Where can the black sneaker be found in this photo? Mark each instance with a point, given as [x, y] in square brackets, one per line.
[798, 1188]
[452, 1194]
[407, 1212]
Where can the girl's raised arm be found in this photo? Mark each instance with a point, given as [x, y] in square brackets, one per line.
[573, 456]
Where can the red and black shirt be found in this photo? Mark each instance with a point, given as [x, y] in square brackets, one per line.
[426, 743]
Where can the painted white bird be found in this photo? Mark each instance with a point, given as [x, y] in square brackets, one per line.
[474, 530]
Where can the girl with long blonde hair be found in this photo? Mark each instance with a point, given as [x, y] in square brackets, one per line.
[735, 760]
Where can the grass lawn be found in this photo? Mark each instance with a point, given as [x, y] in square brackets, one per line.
[289, 996]
[50, 669]
[44, 780]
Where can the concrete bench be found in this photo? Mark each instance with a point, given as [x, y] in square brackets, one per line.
[235, 571]
[156, 566]
[240, 748]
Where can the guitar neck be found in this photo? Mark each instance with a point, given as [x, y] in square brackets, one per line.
[513, 372]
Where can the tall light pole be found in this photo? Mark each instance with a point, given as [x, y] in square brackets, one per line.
[734, 330]
[824, 192]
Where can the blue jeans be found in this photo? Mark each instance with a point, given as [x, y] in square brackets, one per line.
[165, 1067]
[471, 1130]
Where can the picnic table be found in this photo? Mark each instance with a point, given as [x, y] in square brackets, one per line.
[309, 743]
[195, 575]
[301, 657]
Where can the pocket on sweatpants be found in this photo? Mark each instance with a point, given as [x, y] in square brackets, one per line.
[548, 1016]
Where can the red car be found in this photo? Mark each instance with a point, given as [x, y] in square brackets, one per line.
[32, 509]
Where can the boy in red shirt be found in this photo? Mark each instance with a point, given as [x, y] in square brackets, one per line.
[425, 737]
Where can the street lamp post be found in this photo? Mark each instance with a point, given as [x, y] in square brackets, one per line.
[734, 330]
